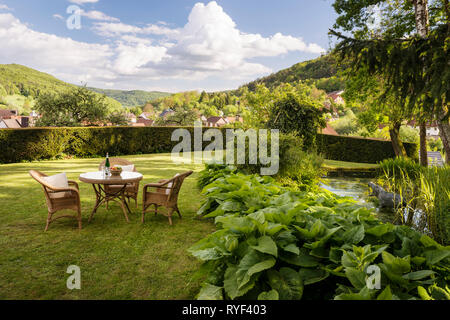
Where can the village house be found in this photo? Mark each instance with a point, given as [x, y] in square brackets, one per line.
[234, 119]
[7, 114]
[146, 115]
[15, 121]
[166, 113]
[10, 124]
[215, 122]
[130, 117]
[336, 97]
[432, 128]
[142, 122]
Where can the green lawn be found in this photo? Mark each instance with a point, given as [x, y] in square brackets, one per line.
[118, 260]
[333, 164]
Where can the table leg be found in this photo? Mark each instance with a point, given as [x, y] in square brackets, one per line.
[102, 196]
[99, 199]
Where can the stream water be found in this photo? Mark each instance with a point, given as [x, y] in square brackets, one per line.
[358, 189]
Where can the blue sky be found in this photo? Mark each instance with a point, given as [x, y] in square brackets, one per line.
[172, 45]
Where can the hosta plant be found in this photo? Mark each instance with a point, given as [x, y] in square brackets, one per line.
[273, 243]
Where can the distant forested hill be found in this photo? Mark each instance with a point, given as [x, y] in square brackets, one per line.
[132, 98]
[321, 71]
[18, 79]
[20, 86]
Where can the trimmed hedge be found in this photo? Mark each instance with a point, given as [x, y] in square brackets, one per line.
[47, 143]
[354, 149]
[31, 144]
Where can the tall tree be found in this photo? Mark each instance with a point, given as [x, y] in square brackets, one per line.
[422, 26]
[77, 107]
[410, 51]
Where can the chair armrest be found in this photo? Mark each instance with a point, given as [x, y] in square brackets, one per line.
[74, 183]
[161, 185]
[58, 190]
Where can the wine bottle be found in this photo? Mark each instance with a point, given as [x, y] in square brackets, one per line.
[107, 165]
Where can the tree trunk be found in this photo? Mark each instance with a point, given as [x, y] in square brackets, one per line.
[397, 144]
[422, 26]
[421, 16]
[423, 144]
[444, 133]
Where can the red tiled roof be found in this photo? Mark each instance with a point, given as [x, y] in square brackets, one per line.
[12, 123]
[214, 119]
[7, 113]
[145, 122]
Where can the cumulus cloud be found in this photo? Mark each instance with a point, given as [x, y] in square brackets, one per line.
[208, 45]
[116, 29]
[60, 56]
[83, 1]
[97, 15]
[5, 7]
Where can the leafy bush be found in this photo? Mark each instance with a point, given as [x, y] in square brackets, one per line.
[298, 168]
[213, 172]
[300, 114]
[346, 125]
[277, 244]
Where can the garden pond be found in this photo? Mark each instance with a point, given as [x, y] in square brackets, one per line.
[358, 189]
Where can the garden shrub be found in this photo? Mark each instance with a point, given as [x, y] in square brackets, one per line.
[297, 168]
[273, 243]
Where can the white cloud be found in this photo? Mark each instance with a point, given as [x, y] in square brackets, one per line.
[71, 60]
[5, 7]
[97, 15]
[131, 58]
[83, 1]
[58, 16]
[116, 29]
[208, 46]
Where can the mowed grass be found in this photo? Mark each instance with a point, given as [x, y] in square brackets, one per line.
[118, 260]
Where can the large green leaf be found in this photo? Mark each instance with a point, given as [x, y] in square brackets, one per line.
[210, 292]
[269, 295]
[266, 245]
[396, 264]
[208, 254]
[380, 230]
[418, 275]
[231, 284]
[252, 263]
[303, 259]
[292, 248]
[354, 235]
[386, 294]
[356, 277]
[287, 282]
[237, 224]
[434, 256]
[310, 276]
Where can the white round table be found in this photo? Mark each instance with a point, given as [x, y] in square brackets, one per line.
[99, 179]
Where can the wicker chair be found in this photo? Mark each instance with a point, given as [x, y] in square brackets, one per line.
[165, 195]
[59, 198]
[132, 190]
